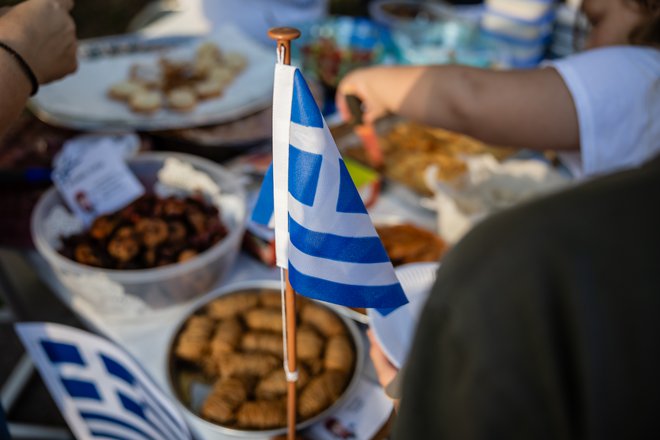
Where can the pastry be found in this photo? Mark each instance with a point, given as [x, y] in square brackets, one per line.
[181, 100]
[208, 89]
[320, 393]
[308, 343]
[180, 83]
[226, 338]
[125, 90]
[246, 364]
[274, 384]
[263, 341]
[227, 394]
[261, 414]
[264, 319]
[145, 101]
[339, 354]
[193, 342]
[324, 320]
[231, 305]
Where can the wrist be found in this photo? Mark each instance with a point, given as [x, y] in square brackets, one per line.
[22, 64]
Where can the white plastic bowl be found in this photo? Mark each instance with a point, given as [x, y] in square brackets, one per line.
[130, 295]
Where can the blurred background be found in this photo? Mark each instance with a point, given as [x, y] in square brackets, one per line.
[338, 35]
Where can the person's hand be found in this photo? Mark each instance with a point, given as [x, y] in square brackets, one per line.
[44, 34]
[385, 370]
[359, 83]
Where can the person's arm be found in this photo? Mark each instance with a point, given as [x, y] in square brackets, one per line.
[42, 33]
[519, 108]
[15, 91]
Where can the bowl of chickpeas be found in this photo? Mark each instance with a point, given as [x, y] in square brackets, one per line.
[224, 364]
[162, 250]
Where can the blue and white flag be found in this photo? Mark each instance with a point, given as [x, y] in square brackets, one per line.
[101, 391]
[323, 233]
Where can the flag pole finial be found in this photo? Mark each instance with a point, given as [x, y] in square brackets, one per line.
[283, 36]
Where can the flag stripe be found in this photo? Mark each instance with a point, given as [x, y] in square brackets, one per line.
[178, 427]
[88, 415]
[347, 294]
[81, 389]
[137, 409]
[113, 429]
[104, 434]
[337, 247]
[60, 353]
[352, 225]
[374, 274]
[116, 369]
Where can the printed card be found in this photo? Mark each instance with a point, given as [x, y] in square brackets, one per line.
[92, 176]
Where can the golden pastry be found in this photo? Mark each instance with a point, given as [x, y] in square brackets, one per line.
[261, 414]
[320, 393]
[246, 364]
[308, 342]
[263, 341]
[193, 341]
[323, 319]
[226, 338]
[274, 384]
[264, 319]
[227, 394]
[339, 354]
[232, 305]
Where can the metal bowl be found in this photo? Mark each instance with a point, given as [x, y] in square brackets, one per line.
[207, 429]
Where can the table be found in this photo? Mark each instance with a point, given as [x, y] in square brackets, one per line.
[147, 340]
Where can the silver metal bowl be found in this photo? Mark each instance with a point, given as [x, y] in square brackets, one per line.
[206, 429]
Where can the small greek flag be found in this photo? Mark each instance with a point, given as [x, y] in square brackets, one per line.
[323, 233]
[101, 391]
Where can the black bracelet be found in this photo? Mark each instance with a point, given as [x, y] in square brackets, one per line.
[25, 67]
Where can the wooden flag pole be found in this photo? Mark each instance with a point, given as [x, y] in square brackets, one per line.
[283, 36]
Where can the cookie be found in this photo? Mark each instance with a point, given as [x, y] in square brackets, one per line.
[208, 89]
[146, 101]
[124, 90]
[182, 100]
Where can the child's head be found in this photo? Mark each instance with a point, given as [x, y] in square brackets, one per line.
[623, 22]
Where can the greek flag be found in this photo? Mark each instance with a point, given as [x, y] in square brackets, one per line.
[323, 233]
[101, 392]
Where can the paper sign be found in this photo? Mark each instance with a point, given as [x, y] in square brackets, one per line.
[92, 176]
[359, 418]
[100, 390]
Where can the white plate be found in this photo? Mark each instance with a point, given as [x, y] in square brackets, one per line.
[395, 331]
[80, 101]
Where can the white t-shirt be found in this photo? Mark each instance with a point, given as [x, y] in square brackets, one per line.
[616, 91]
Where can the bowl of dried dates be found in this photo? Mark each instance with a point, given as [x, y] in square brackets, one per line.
[168, 247]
